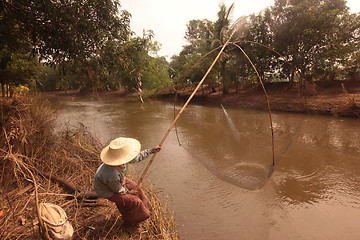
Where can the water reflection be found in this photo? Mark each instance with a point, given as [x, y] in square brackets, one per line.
[322, 160]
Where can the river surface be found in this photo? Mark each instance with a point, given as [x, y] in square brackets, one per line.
[220, 180]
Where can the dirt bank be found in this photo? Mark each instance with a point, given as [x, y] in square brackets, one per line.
[334, 98]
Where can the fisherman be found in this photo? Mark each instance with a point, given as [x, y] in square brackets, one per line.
[110, 181]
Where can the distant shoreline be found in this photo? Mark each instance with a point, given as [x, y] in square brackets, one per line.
[331, 98]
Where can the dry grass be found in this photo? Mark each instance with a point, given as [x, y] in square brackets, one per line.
[31, 154]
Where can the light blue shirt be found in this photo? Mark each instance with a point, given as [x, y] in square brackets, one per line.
[108, 180]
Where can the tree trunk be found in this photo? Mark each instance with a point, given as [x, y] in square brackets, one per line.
[213, 89]
[223, 75]
[11, 90]
[7, 90]
[332, 76]
[292, 77]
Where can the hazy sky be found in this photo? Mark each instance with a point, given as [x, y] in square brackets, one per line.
[168, 18]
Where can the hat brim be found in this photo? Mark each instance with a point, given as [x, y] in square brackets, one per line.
[133, 147]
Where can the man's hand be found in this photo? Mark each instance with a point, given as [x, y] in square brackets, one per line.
[133, 191]
[157, 148]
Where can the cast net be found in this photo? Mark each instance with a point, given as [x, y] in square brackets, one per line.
[236, 146]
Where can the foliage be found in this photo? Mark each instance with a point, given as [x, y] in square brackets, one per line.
[156, 74]
[89, 42]
[259, 32]
[16, 69]
[315, 36]
[190, 66]
[205, 39]
[59, 30]
[221, 34]
[131, 66]
[317, 39]
[92, 47]
[118, 65]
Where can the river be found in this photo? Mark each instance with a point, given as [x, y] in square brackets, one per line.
[220, 180]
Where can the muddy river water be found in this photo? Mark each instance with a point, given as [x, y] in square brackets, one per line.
[220, 181]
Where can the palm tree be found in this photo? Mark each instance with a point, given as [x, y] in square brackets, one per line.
[220, 35]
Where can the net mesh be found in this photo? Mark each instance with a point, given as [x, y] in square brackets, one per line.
[236, 147]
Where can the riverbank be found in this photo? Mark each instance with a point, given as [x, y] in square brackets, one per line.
[40, 165]
[335, 98]
[331, 98]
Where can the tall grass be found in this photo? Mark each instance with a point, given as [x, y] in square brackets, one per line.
[29, 147]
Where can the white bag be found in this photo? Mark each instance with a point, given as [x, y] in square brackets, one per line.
[56, 221]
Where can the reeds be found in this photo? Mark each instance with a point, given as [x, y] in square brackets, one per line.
[33, 155]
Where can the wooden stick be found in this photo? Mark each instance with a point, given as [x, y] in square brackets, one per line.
[71, 188]
[267, 101]
[181, 111]
[17, 192]
[42, 227]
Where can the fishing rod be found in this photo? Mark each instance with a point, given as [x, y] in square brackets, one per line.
[185, 105]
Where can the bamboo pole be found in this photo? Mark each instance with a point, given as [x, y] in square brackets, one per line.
[182, 109]
[267, 101]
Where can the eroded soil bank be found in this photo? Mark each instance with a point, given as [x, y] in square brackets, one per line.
[334, 98]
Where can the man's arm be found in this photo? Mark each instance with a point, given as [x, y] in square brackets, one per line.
[145, 153]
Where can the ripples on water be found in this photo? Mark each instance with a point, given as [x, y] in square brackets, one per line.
[313, 193]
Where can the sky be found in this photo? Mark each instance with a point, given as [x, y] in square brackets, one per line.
[168, 18]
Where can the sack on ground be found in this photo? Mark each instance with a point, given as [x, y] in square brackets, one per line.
[56, 221]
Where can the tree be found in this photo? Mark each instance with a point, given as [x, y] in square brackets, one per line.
[16, 69]
[205, 37]
[219, 37]
[319, 39]
[62, 31]
[352, 62]
[191, 64]
[135, 57]
[118, 65]
[155, 75]
[257, 39]
[199, 33]
[311, 33]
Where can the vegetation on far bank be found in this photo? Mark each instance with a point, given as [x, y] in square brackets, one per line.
[58, 167]
[89, 46]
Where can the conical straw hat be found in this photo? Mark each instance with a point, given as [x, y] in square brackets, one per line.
[120, 151]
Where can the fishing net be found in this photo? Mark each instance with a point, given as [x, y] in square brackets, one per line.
[239, 150]
[236, 146]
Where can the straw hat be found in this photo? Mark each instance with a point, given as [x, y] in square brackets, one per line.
[120, 151]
